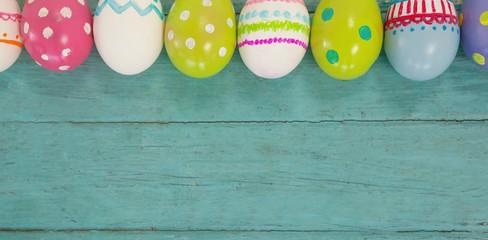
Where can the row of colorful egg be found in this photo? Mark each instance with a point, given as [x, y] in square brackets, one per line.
[421, 37]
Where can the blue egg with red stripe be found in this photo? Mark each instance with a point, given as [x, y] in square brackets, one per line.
[421, 37]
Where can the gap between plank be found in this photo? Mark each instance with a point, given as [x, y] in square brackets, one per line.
[118, 230]
[250, 122]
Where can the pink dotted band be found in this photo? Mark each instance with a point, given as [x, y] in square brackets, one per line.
[250, 2]
[10, 16]
[272, 41]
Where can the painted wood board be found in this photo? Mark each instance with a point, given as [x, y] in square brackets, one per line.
[155, 235]
[95, 155]
[394, 176]
[94, 93]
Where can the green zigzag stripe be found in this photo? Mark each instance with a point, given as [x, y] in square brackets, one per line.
[273, 26]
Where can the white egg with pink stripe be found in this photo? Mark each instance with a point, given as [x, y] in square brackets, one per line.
[273, 36]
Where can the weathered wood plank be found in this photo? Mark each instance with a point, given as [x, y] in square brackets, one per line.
[86, 151]
[94, 235]
[95, 93]
[395, 176]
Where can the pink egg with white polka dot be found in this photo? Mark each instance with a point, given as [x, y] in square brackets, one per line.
[57, 34]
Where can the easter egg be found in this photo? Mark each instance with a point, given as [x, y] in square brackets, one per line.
[474, 31]
[273, 36]
[421, 37]
[57, 34]
[129, 34]
[346, 37]
[200, 36]
[10, 38]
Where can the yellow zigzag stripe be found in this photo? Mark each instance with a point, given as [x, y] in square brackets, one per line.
[273, 26]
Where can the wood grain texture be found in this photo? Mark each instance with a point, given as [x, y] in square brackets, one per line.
[154, 235]
[254, 177]
[94, 93]
[91, 154]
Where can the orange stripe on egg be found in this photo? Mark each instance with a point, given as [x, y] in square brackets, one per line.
[11, 42]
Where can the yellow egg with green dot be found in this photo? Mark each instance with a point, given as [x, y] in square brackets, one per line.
[200, 36]
[346, 37]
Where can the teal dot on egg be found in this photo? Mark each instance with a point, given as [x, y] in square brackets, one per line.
[365, 33]
[264, 14]
[298, 15]
[248, 15]
[327, 14]
[332, 56]
[287, 15]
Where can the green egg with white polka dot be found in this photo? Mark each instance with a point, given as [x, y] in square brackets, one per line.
[346, 37]
[200, 36]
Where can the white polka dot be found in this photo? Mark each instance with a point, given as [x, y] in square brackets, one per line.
[230, 22]
[222, 51]
[66, 12]
[64, 68]
[185, 15]
[87, 28]
[45, 57]
[190, 43]
[43, 12]
[207, 3]
[66, 52]
[210, 28]
[48, 32]
[26, 27]
[82, 2]
[201, 65]
[171, 35]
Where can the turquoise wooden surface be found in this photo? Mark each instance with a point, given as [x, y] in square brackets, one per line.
[91, 154]
[189, 235]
